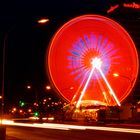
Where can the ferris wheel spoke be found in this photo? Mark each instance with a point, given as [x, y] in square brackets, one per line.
[77, 91]
[108, 85]
[85, 87]
[102, 89]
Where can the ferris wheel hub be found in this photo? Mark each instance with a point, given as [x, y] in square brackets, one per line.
[96, 62]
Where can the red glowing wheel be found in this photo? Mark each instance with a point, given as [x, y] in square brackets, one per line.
[92, 57]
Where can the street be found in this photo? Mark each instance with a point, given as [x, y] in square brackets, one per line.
[30, 133]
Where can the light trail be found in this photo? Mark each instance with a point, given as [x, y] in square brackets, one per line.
[71, 127]
[104, 94]
[85, 87]
[102, 89]
[108, 85]
[96, 63]
[123, 130]
[75, 95]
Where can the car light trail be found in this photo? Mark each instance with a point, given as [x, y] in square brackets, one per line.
[126, 130]
[70, 127]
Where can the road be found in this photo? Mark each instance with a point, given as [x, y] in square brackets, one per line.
[31, 133]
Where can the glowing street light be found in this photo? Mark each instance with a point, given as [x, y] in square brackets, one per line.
[119, 75]
[48, 87]
[28, 87]
[43, 21]
[49, 98]
[29, 110]
[115, 74]
[14, 109]
[20, 111]
[0, 97]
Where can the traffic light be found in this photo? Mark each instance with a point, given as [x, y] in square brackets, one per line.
[36, 114]
[22, 103]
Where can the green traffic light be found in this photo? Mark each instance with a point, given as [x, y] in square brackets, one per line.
[36, 114]
[22, 103]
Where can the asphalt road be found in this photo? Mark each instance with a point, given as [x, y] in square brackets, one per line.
[27, 133]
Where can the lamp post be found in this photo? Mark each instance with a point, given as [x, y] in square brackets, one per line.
[48, 87]
[40, 21]
[3, 68]
[43, 20]
[3, 127]
[3, 75]
[119, 75]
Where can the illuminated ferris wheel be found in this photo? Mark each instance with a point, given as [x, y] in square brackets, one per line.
[92, 58]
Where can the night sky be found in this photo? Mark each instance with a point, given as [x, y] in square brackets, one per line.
[27, 42]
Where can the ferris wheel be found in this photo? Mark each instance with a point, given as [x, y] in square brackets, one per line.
[93, 58]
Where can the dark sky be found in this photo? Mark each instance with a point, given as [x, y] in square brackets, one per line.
[26, 41]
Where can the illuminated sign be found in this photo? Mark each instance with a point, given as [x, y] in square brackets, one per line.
[125, 5]
[132, 5]
[112, 8]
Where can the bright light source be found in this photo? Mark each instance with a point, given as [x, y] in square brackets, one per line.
[71, 88]
[51, 118]
[108, 85]
[20, 111]
[33, 118]
[7, 122]
[43, 20]
[138, 102]
[29, 110]
[28, 87]
[14, 109]
[96, 62]
[48, 87]
[21, 103]
[115, 74]
[35, 104]
[70, 126]
[49, 98]
[85, 87]
[36, 114]
[0, 97]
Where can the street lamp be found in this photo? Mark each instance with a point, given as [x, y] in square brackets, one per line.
[28, 87]
[3, 83]
[3, 72]
[2, 97]
[43, 20]
[48, 87]
[119, 75]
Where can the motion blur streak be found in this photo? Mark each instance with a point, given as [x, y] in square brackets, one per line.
[108, 85]
[69, 127]
[85, 87]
